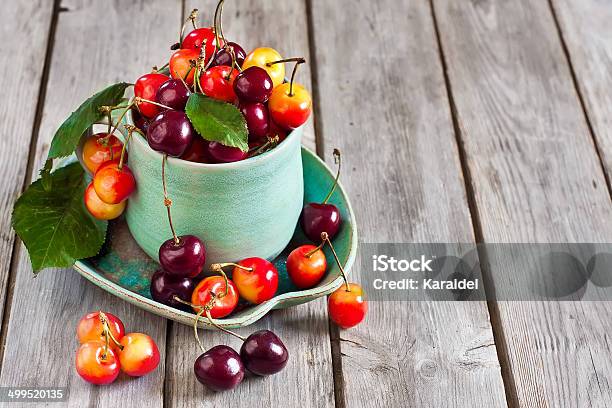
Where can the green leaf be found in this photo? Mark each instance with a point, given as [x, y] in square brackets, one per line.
[45, 175]
[217, 121]
[67, 136]
[54, 225]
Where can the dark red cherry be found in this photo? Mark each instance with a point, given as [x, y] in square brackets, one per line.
[170, 132]
[257, 119]
[223, 56]
[318, 218]
[185, 258]
[139, 120]
[263, 353]
[198, 151]
[164, 287]
[225, 154]
[253, 85]
[219, 368]
[173, 93]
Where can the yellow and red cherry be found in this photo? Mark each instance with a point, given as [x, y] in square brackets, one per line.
[146, 88]
[182, 65]
[290, 105]
[256, 279]
[218, 83]
[96, 363]
[198, 37]
[323, 217]
[306, 266]
[91, 328]
[139, 354]
[264, 57]
[100, 148]
[225, 299]
[347, 305]
[114, 182]
[98, 208]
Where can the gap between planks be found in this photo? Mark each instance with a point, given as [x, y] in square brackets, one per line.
[496, 326]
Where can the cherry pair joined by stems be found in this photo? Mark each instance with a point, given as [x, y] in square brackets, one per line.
[323, 217]
[255, 278]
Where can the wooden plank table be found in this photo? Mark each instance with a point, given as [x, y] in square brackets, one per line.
[474, 121]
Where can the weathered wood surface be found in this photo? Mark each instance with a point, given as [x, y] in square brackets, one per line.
[382, 101]
[587, 33]
[536, 177]
[96, 43]
[21, 71]
[308, 377]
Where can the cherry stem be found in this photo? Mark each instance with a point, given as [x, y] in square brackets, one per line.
[192, 17]
[130, 130]
[325, 238]
[311, 253]
[338, 161]
[107, 333]
[216, 24]
[138, 99]
[295, 67]
[218, 266]
[218, 269]
[167, 200]
[223, 329]
[272, 141]
[195, 329]
[127, 108]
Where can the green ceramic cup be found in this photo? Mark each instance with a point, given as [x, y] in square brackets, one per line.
[242, 209]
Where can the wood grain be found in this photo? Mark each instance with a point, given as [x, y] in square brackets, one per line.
[536, 178]
[97, 43]
[587, 33]
[308, 376]
[21, 71]
[383, 103]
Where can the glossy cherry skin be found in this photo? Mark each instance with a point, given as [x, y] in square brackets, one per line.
[198, 151]
[90, 328]
[146, 87]
[318, 218]
[259, 284]
[113, 184]
[225, 154]
[224, 305]
[219, 368]
[347, 309]
[139, 356]
[263, 353]
[100, 148]
[260, 57]
[223, 56]
[139, 121]
[98, 208]
[218, 83]
[199, 36]
[253, 85]
[164, 288]
[95, 364]
[305, 272]
[180, 64]
[183, 259]
[257, 119]
[290, 111]
[170, 132]
[174, 94]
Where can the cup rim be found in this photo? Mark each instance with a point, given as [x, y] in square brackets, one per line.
[251, 161]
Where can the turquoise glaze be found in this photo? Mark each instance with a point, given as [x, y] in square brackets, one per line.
[124, 270]
[242, 209]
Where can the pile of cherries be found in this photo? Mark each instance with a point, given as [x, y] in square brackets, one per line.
[205, 62]
[105, 349]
